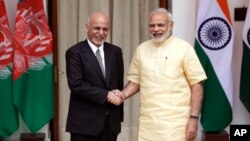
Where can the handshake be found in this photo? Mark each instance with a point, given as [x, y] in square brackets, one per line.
[116, 97]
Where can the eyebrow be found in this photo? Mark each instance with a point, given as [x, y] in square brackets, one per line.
[157, 24]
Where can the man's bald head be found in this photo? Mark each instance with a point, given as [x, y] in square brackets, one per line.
[98, 16]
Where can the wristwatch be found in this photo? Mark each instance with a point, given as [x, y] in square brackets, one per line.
[194, 117]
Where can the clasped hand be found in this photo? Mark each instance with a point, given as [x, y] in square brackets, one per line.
[116, 97]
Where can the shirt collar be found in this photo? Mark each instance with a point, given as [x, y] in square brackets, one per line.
[94, 48]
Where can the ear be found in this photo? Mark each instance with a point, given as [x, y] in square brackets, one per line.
[171, 25]
[86, 28]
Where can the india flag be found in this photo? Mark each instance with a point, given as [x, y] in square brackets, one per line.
[245, 68]
[214, 46]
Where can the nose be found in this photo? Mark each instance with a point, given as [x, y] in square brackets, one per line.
[101, 31]
[156, 28]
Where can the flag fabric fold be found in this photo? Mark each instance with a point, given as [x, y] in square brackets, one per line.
[245, 65]
[33, 65]
[214, 47]
[9, 114]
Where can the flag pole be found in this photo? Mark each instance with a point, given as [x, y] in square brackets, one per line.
[215, 136]
[32, 137]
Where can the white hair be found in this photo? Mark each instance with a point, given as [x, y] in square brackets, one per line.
[161, 10]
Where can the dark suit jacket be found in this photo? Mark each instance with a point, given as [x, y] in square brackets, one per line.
[88, 105]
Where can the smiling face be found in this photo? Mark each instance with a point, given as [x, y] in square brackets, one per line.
[97, 28]
[160, 27]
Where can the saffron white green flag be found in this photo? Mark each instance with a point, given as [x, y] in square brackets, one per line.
[214, 46]
[245, 66]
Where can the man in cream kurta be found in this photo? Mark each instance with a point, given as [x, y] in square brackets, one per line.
[169, 76]
[165, 73]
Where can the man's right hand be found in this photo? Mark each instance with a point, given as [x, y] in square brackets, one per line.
[115, 97]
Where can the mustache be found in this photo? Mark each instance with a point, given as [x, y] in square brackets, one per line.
[163, 37]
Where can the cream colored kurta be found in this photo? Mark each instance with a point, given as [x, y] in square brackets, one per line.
[165, 73]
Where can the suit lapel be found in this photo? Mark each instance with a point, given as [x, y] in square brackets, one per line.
[108, 56]
[91, 58]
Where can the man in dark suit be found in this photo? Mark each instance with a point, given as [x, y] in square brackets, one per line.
[94, 71]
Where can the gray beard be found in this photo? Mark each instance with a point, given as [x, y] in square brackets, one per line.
[165, 36]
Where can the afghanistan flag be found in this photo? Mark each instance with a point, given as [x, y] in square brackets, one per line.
[33, 65]
[214, 47]
[245, 66]
[9, 114]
